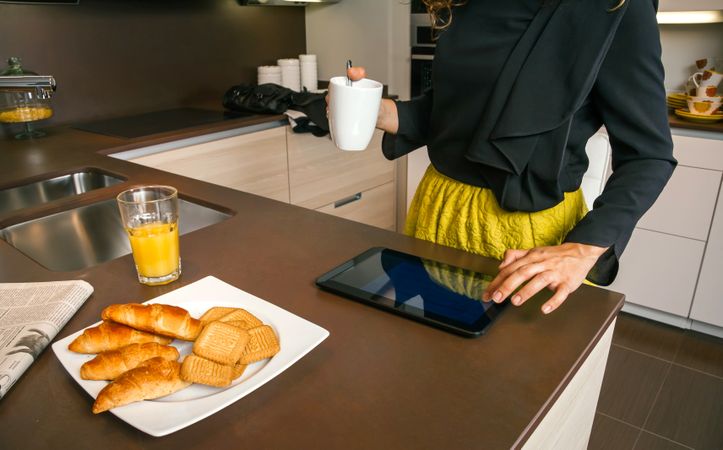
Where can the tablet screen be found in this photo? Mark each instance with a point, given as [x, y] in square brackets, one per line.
[425, 290]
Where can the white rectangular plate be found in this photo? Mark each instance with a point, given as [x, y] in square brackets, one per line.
[165, 415]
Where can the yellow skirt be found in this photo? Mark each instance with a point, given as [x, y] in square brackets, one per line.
[455, 214]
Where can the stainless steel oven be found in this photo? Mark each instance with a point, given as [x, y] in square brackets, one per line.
[422, 49]
[420, 26]
[422, 61]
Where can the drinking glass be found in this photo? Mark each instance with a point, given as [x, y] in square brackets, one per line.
[150, 217]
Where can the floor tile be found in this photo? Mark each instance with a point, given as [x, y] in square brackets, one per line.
[653, 338]
[689, 409]
[648, 441]
[632, 380]
[611, 434]
[701, 352]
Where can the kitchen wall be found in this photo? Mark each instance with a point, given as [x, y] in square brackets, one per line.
[114, 57]
[372, 33]
[683, 44]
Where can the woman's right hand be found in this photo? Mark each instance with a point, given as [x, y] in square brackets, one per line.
[388, 118]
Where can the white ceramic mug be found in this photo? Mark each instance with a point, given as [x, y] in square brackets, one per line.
[706, 82]
[353, 112]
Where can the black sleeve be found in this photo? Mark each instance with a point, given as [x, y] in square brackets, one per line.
[629, 95]
[413, 132]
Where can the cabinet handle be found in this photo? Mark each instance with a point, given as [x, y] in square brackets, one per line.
[346, 201]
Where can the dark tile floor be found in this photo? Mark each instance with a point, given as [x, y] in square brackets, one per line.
[663, 389]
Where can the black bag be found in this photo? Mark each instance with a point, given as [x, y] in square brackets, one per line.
[314, 106]
[263, 99]
[274, 99]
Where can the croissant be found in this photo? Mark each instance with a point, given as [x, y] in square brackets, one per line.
[110, 364]
[110, 336]
[154, 378]
[161, 319]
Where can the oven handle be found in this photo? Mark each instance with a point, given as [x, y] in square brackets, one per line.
[422, 57]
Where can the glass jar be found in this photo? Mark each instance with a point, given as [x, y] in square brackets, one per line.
[22, 101]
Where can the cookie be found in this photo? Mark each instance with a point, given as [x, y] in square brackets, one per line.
[215, 313]
[204, 371]
[242, 314]
[262, 344]
[238, 370]
[221, 342]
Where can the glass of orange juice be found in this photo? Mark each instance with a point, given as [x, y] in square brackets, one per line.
[150, 217]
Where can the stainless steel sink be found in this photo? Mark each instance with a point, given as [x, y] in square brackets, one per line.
[39, 192]
[89, 235]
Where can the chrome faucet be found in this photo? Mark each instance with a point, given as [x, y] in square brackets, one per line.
[44, 85]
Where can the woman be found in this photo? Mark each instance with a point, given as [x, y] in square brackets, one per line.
[518, 88]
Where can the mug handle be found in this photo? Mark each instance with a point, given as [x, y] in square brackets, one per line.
[695, 80]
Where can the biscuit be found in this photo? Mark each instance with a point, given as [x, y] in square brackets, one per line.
[221, 342]
[238, 370]
[215, 313]
[262, 344]
[242, 314]
[241, 324]
[203, 371]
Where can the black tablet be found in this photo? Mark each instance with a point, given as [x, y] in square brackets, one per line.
[430, 292]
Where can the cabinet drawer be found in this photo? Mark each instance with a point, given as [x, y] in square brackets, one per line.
[373, 207]
[698, 152]
[254, 162]
[708, 301]
[320, 174]
[685, 207]
[659, 271]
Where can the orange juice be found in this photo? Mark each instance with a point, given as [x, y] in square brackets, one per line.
[155, 251]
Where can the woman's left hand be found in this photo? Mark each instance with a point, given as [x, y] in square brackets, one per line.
[561, 268]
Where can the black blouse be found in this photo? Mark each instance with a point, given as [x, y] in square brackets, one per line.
[518, 89]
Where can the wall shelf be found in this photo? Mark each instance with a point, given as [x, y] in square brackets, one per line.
[690, 5]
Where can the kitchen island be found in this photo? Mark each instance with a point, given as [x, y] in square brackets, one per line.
[378, 381]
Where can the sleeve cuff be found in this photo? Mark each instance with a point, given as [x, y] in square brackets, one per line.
[605, 270]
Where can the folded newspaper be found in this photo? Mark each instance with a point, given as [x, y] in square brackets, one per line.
[31, 314]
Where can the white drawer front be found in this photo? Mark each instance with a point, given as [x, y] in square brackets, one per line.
[698, 152]
[708, 301]
[659, 271]
[685, 207]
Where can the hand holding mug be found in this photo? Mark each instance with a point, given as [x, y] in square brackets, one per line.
[388, 118]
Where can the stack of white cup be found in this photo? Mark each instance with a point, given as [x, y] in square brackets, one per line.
[269, 74]
[309, 75]
[290, 73]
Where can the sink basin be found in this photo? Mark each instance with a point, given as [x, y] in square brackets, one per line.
[39, 192]
[89, 235]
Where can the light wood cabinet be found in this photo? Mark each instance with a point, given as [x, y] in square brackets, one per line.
[708, 301]
[254, 162]
[294, 168]
[373, 207]
[320, 173]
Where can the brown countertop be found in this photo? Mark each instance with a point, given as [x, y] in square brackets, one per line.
[378, 381]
